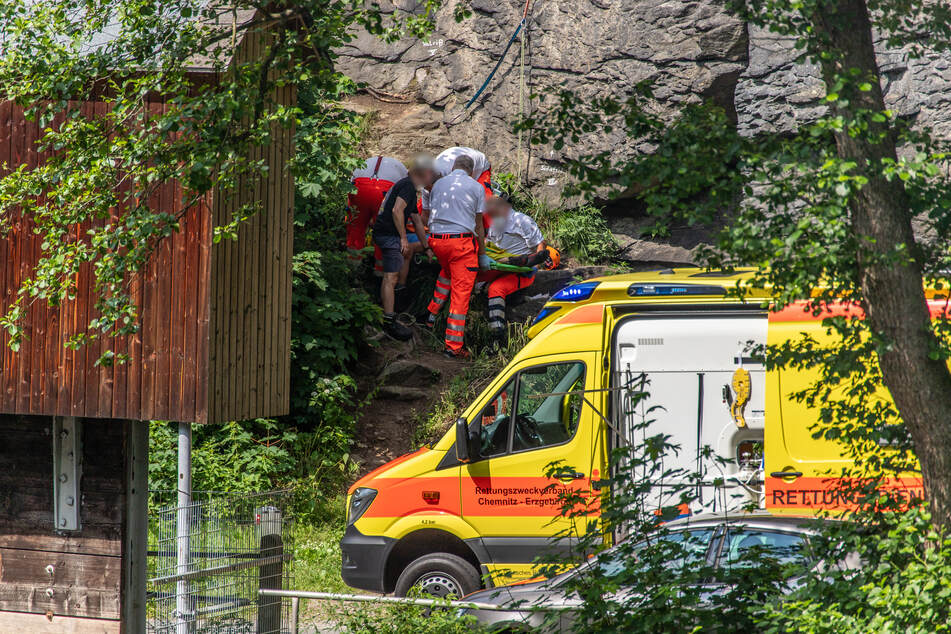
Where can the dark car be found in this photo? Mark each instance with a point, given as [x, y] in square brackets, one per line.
[713, 540]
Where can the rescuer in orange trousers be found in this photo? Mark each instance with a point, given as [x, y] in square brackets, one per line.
[372, 181]
[457, 237]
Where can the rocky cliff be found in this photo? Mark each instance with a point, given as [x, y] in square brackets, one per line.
[691, 50]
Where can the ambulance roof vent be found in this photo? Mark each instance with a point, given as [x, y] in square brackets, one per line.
[668, 290]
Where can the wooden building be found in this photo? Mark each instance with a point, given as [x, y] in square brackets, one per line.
[214, 346]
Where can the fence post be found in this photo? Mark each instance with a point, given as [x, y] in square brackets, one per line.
[271, 575]
[184, 607]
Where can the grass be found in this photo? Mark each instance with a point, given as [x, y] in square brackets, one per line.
[317, 552]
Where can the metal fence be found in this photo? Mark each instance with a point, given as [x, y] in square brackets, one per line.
[209, 559]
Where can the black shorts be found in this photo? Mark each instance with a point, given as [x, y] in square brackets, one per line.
[392, 255]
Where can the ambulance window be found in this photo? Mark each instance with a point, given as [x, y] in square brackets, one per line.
[495, 422]
[547, 412]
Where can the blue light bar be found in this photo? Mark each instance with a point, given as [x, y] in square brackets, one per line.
[544, 313]
[666, 290]
[575, 292]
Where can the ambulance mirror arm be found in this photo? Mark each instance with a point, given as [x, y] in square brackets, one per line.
[467, 447]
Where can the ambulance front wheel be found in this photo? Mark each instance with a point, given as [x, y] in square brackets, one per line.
[441, 575]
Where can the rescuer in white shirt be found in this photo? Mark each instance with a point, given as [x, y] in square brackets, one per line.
[457, 238]
[520, 242]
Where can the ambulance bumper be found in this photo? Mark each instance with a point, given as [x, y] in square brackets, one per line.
[363, 559]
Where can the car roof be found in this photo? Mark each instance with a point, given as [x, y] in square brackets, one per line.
[759, 519]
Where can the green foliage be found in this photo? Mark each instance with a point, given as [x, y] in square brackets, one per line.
[583, 233]
[98, 182]
[403, 619]
[904, 586]
[242, 457]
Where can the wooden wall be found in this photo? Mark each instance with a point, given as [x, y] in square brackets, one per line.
[88, 563]
[180, 368]
[251, 282]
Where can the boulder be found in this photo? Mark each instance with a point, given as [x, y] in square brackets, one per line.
[406, 372]
[402, 393]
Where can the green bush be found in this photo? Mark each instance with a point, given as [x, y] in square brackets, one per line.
[584, 234]
[403, 619]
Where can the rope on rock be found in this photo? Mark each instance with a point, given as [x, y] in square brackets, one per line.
[498, 64]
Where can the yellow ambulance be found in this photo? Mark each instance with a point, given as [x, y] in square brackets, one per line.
[475, 507]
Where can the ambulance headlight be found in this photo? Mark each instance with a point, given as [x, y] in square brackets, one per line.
[575, 292]
[359, 503]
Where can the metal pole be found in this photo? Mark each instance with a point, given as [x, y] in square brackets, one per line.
[295, 614]
[183, 609]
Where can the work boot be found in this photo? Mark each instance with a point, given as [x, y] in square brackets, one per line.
[461, 354]
[426, 319]
[395, 329]
[496, 342]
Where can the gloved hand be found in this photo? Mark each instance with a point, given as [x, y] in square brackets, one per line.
[485, 262]
[518, 260]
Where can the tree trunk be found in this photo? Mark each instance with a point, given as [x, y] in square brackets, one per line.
[881, 218]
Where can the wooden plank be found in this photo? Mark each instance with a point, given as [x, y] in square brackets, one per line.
[8, 254]
[71, 569]
[203, 300]
[104, 544]
[66, 601]
[99, 380]
[178, 281]
[41, 624]
[23, 138]
[162, 325]
[287, 218]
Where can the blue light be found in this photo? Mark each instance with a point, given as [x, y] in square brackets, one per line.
[649, 290]
[575, 292]
[545, 313]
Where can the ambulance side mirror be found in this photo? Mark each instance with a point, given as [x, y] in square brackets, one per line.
[467, 447]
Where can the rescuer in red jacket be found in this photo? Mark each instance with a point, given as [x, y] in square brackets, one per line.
[372, 181]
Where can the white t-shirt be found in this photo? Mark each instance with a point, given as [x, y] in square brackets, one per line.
[456, 199]
[519, 236]
[390, 169]
[446, 159]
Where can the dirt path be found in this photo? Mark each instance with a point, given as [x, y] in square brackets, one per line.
[385, 428]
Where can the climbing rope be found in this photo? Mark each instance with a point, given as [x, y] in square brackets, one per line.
[498, 64]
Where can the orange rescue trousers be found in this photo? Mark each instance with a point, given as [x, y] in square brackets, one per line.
[459, 263]
[501, 285]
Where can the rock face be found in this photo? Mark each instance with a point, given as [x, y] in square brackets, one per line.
[690, 50]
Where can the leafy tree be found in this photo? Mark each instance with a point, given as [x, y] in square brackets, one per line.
[826, 214]
[58, 53]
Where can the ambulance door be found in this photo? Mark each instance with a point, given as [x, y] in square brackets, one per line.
[703, 386]
[801, 470]
[538, 418]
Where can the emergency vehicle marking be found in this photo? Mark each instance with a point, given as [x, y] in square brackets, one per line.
[585, 315]
[830, 493]
[801, 311]
[522, 496]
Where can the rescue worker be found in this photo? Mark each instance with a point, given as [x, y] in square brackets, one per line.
[372, 181]
[457, 237]
[518, 236]
[481, 170]
[389, 235]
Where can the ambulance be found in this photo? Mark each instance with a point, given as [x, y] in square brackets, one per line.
[476, 509]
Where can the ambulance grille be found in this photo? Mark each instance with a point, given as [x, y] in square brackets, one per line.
[651, 341]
